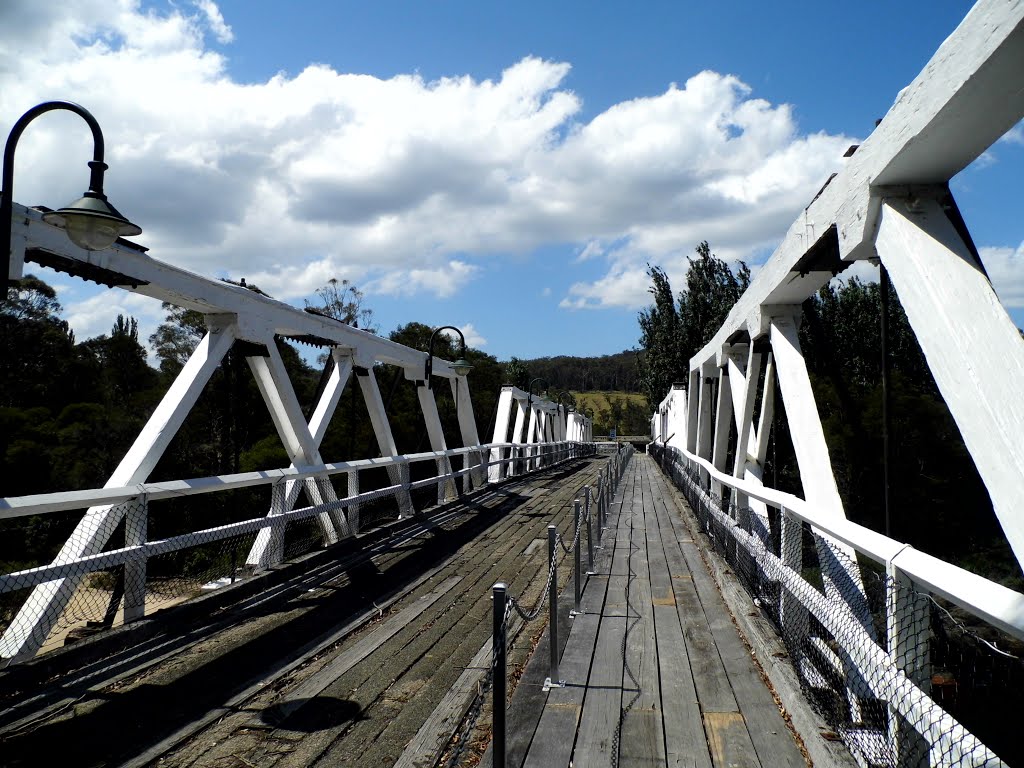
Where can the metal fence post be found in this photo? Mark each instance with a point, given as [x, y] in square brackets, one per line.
[590, 538]
[500, 596]
[553, 681]
[577, 565]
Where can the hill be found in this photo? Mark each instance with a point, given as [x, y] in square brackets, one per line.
[607, 373]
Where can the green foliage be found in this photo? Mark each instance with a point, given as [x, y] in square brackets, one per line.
[618, 372]
[673, 331]
[627, 412]
[341, 300]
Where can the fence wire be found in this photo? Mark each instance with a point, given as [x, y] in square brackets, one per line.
[902, 677]
[206, 541]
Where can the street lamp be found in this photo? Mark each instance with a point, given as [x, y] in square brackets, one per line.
[90, 222]
[529, 397]
[462, 366]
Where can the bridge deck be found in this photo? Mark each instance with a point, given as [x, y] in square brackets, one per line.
[313, 674]
[657, 642]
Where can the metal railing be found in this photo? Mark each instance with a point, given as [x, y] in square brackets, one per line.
[39, 605]
[885, 663]
[597, 501]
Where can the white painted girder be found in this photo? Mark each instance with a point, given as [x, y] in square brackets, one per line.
[966, 98]
[975, 352]
[256, 316]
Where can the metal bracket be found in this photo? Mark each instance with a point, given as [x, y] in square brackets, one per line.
[548, 684]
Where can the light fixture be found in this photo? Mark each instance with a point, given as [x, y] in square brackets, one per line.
[90, 222]
[462, 366]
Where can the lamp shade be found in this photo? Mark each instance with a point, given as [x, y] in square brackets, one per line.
[462, 366]
[92, 223]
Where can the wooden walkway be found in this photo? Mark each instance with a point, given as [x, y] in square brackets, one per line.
[656, 650]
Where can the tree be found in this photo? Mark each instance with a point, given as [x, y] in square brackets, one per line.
[711, 291]
[341, 300]
[517, 374]
[671, 333]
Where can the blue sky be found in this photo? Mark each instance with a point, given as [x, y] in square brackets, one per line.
[509, 168]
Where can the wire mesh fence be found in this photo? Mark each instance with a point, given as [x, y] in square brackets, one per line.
[67, 575]
[904, 678]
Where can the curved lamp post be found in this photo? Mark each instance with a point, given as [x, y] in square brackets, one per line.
[90, 222]
[462, 366]
[529, 389]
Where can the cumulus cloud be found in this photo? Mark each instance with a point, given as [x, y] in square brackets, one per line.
[402, 185]
[1005, 268]
[473, 337]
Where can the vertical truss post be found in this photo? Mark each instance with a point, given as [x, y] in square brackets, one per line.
[497, 470]
[382, 431]
[136, 523]
[446, 490]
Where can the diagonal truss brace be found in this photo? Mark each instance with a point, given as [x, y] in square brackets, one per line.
[32, 625]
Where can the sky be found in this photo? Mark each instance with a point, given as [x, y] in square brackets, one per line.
[509, 168]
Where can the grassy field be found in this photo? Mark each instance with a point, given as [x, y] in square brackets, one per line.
[601, 405]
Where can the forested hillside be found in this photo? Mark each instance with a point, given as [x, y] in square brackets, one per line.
[608, 373]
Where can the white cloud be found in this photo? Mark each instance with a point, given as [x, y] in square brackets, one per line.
[215, 20]
[1015, 135]
[442, 281]
[401, 185]
[1005, 268]
[473, 337]
[591, 250]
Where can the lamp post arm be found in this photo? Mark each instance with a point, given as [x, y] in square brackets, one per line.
[97, 167]
[430, 350]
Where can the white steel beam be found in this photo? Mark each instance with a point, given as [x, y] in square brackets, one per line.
[501, 426]
[382, 431]
[975, 352]
[723, 423]
[839, 567]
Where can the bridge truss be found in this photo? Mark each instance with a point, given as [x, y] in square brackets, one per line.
[892, 205]
[241, 319]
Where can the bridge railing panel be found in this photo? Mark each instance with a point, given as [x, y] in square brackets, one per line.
[921, 688]
[181, 538]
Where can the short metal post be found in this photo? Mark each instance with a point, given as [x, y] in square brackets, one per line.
[577, 565]
[590, 539]
[553, 680]
[500, 593]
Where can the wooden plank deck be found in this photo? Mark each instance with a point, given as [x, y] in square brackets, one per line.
[656, 666]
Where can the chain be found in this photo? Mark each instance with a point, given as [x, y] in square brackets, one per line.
[534, 612]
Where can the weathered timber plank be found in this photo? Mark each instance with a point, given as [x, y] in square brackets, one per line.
[685, 742]
[436, 656]
[643, 738]
[314, 686]
[555, 735]
[602, 701]
[729, 741]
[763, 718]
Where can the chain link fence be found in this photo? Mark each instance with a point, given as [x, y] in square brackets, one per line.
[903, 677]
[79, 575]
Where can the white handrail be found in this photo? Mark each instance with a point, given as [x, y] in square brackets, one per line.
[45, 503]
[1000, 606]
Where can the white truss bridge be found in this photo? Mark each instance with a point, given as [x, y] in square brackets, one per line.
[891, 204]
